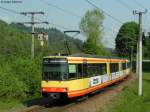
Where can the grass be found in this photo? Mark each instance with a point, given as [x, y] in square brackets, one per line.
[10, 105]
[129, 101]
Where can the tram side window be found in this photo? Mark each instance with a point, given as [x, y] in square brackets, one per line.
[103, 69]
[93, 70]
[84, 73]
[123, 66]
[72, 72]
[128, 65]
[80, 70]
[114, 67]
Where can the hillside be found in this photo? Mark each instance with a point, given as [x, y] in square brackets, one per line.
[56, 39]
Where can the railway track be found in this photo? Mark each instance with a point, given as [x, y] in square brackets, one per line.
[51, 107]
[81, 104]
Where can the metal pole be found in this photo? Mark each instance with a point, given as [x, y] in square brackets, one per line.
[131, 58]
[140, 55]
[32, 26]
[137, 67]
[32, 45]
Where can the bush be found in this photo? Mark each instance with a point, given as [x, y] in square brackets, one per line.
[29, 72]
[11, 87]
[20, 79]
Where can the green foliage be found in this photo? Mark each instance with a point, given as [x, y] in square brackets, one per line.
[145, 66]
[129, 101]
[91, 26]
[29, 72]
[126, 38]
[90, 48]
[9, 37]
[10, 86]
[20, 76]
[10, 105]
[146, 48]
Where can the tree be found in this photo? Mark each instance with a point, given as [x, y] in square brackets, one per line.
[91, 26]
[126, 39]
[146, 48]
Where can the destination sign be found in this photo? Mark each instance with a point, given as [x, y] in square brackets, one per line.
[54, 60]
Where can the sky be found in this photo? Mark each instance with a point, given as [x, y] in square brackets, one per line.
[68, 14]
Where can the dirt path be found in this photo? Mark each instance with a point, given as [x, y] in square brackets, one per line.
[96, 103]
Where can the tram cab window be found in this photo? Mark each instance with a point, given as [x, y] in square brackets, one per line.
[55, 69]
[114, 67]
[72, 71]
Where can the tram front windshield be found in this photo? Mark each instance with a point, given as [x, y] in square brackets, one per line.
[55, 69]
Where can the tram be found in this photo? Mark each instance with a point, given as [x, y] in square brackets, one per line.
[78, 75]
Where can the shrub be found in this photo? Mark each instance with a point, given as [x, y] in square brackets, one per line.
[29, 72]
[11, 87]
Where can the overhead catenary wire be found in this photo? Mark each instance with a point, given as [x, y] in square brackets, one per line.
[115, 19]
[125, 4]
[61, 9]
[50, 23]
[18, 13]
[139, 4]
[109, 15]
[15, 12]
[9, 10]
[65, 11]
